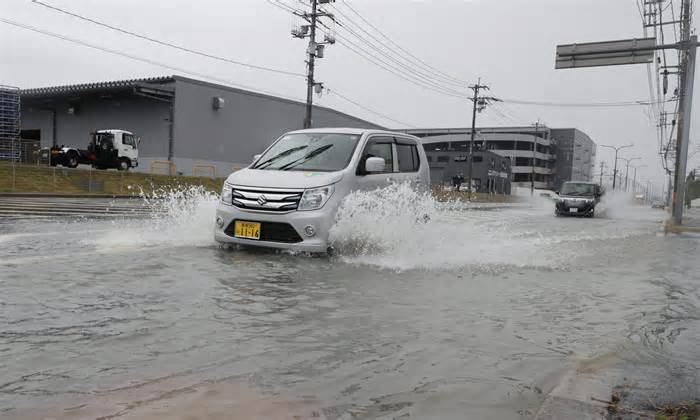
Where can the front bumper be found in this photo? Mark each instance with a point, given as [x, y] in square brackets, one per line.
[321, 220]
[584, 208]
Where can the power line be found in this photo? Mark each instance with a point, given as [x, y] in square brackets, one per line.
[178, 69]
[578, 104]
[166, 43]
[413, 66]
[399, 65]
[137, 58]
[405, 51]
[379, 62]
[386, 117]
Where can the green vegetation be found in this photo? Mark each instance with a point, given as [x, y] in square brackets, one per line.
[58, 180]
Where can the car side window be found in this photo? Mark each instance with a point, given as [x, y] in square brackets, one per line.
[378, 147]
[407, 155]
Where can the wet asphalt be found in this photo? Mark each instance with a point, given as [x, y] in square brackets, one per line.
[508, 313]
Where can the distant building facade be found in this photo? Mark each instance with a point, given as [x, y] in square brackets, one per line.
[576, 154]
[491, 172]
[182, 122]
[533, 152]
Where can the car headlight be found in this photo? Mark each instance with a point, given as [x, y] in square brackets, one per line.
[227, 194]
[315, 198]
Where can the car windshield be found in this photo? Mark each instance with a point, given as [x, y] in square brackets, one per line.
[320, 152]
[572, 188]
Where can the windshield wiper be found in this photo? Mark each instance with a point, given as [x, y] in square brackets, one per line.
[269, 161]
[305, 158]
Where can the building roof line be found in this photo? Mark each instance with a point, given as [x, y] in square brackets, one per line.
[82, 87]
[129, 83]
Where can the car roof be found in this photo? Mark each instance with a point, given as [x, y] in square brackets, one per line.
[349, 130]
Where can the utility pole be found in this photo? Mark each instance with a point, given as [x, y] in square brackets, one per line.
[617, 150]
[478, 105]
[685, 104]
[534, 149]
[313, 51]
[627, 168]
[634, 182]
[602, 170]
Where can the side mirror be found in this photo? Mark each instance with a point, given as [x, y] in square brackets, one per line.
[138, 140]
[256, 157]
[374, 164]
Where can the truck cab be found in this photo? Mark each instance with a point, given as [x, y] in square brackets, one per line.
[114, 149]
[106, 149]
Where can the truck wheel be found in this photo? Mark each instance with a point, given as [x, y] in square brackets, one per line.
[72, 160]
[124, 165]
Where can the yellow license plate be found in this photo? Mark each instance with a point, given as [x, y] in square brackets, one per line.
[247, 230]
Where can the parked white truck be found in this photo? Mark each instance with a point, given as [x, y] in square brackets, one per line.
[106, 149]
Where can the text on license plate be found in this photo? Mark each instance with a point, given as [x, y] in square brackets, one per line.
[247, 230]
[573, 210]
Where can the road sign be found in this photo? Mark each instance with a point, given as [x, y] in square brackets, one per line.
[609, 53]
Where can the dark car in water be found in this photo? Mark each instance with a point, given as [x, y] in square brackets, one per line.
[578, 199]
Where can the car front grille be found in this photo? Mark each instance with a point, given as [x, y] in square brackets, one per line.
[271, 232]
[266, 199]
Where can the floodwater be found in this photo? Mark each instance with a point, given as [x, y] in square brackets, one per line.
[502, 313]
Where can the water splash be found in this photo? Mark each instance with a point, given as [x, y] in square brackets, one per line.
[181, 217]
[398, 228]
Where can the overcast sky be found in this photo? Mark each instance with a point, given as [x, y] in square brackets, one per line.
[510, 44]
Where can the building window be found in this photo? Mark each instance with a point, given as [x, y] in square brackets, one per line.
[477, 159]
[461, 158]
[443, 158]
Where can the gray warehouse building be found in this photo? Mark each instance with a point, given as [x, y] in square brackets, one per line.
[189, 123]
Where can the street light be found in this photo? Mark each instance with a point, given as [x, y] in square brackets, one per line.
[617, 149]
[634, 181]
[627, 168]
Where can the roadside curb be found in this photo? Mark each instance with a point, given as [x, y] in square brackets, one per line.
[670, 227]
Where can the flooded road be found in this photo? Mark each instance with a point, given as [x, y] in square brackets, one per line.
[505, 313]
